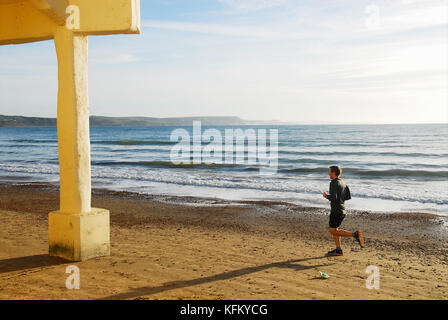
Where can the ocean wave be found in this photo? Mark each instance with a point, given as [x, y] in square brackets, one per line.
[303, 185]
[361, 153]
[33, 141]
[316, 162]
[282, 169]
[299, 143]
[285, 151]
[375, 173]
[133, 142]
[163, 164]
[308, 186]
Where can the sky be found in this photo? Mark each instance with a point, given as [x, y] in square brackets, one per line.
[303, 61]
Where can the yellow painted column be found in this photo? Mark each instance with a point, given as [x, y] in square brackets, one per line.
[73, 122]
[77, 231]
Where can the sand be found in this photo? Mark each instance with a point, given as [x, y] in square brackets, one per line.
[185, 248]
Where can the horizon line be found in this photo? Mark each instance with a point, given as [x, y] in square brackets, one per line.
[244, 119]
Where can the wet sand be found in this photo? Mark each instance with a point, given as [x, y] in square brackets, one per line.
[165, 247]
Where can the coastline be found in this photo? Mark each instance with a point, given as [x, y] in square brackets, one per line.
[167, 247]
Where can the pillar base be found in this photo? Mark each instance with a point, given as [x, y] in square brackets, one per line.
[78, 237]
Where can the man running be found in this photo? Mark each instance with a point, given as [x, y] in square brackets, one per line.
[339, 193]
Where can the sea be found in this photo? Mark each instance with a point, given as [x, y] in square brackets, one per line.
[389, 168]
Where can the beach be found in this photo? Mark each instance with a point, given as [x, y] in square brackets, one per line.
[171, 247]
[200, 158]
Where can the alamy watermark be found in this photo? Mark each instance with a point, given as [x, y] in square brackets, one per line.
[373, 280]
[252, 147]
[373, 17]
[73, 281]
[73, 21]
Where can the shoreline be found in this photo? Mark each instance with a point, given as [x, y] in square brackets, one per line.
[210, 201]
[164, 249]
[382, 223]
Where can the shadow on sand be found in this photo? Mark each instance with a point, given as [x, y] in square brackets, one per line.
[29, 262]
[145, 291]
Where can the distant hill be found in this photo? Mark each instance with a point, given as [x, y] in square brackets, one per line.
[96, 121]
[147, 122]
[17, 121]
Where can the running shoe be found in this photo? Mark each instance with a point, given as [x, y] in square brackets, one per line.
[336, 252]
[358, 236]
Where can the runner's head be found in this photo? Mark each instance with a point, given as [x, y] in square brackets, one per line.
[335, 171]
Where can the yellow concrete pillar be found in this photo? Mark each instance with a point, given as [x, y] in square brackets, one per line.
[76, 231]
[73, 121]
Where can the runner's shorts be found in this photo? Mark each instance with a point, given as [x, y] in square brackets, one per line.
[336, 219]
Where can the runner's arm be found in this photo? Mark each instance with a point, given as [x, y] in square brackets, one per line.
[332, 195]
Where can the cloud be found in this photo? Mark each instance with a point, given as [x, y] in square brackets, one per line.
[282, 59]
[249, 5]
[114, 58]
[413, 14]
[218, 29]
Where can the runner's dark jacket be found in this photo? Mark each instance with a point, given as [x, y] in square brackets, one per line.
[339, 193]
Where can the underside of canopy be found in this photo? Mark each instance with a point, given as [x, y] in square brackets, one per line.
[23, 21]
